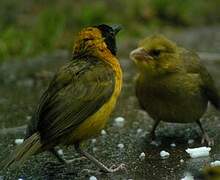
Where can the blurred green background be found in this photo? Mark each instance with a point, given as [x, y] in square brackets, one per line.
[33, 27]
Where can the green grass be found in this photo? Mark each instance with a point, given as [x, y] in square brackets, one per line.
[29, 28]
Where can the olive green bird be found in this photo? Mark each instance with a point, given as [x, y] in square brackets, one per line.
[209, 173]
[79, 99]
[172, 85]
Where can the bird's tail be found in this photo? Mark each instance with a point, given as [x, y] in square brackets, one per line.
[29, 147]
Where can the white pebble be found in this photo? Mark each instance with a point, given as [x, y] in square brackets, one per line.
[92, 178]
[173, 145]
[28, 117]
[119, 121]
[93, 141]
[121, 146]
[142, 156]
[139, 130]
[94, 149]
[19, 141]
[188, 177]
[103, 132]
[215, 163]
[181, 160]
[198, 152]
[216, 118]
[164, 154]
[190, 141]
[60, 152]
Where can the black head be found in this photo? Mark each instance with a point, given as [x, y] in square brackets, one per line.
[109, 33]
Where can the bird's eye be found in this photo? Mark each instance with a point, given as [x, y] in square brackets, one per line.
[154, 53]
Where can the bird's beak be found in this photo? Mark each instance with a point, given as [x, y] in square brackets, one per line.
[116, 28]
[139, 54]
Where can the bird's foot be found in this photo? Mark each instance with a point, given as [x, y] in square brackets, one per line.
[61, 159]
[69, 161]
[106, 170]
[152, 138]
[89, 171]
[207, 140]
[114, 168]
[155, 143]
[98, 163]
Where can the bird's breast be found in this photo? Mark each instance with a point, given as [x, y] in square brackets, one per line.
[95, 123]
[175, 99]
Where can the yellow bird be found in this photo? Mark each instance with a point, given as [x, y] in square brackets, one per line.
[79, 99]
[172, 85]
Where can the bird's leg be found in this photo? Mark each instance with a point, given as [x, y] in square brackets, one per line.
[99, 164]
[205, 136]
[62, 159]
[152, 133]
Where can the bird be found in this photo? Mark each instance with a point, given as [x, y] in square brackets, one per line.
[209, 173]
[78, 101]
[172, 85]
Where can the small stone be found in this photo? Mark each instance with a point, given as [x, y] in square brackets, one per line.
[181, 160]
[188, 177]
[28, 117]
[92, 178]
[215, 163]
[190, 141]
[142, 156]
[19, 141]
[216, 118]
[60, 152]
[93, 140]
[173, 145]
[139, 130]
[119, 121]
[103, 132]
[198, 152]
[94, 149]
[164, 154]
[121, 146]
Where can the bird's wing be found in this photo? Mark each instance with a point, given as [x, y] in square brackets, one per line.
[77, 91]
[193, 65]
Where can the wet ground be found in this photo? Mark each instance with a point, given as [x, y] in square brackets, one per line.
[22, 83]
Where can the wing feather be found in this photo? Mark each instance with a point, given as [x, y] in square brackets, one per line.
[193, 65]
[76, 92]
